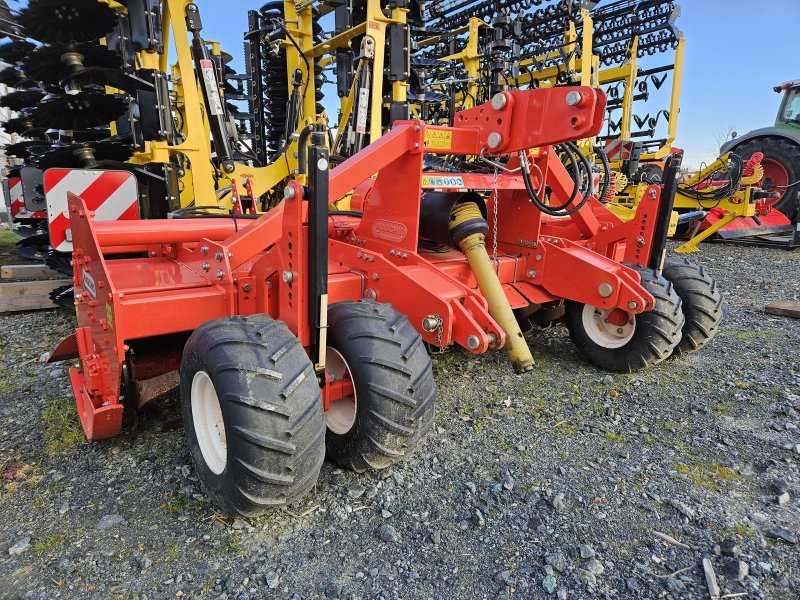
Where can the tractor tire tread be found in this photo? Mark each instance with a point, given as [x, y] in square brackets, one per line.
[657, 332]
[271, 407]
[701, 303]
[394, 384]
[788, 154]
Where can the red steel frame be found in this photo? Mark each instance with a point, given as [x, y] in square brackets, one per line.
[196, 270]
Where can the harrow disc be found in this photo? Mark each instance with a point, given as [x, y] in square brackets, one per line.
[79, 111]
[11, 77]
[81, 155]
[27, 149]
[50, 64]
[52, 21]
[13, 52]
[23, 126]
[22, 99]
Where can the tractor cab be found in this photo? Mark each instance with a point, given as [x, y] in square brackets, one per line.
[789, 113]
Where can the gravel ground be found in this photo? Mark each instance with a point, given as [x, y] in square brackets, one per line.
[548, 485]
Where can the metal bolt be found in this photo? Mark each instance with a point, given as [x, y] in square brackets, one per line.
[499, 101]
[539, 257]
[359, 254]
[605, 290]
[416, 127]
[391, 252]
[247, 287]
[473, 342]
[633, 305]
[203, 249]
[619, 330]
[494, 140]
[404, 255]
[152, 253]
[640, 241]
[574, 98]
[531, 273]
[289, 192]
[492, 338]
[430, 323]
[206, 266]
[652, 193]
[288, 276]
[218, 256]
[220, 274]
[375, 276]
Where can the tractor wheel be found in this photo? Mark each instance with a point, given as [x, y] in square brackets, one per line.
[701, 303]
[252, 412]
[392, 404]
[781, 168]
[618, 341]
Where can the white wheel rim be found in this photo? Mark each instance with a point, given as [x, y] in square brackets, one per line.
[341, 414]
[209, 426]
[603, 332]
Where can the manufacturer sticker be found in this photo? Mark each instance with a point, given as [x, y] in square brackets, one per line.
[438, 139]
[391, 231]
[438, 181]
[88, 283]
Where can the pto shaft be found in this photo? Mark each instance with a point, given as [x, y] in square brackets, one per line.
[468, 229]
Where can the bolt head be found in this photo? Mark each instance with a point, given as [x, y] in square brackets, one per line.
[289, 192]
[531, 273]
[574, 98]
[633, 305]
[499, 101]
[206, 266]
[605, 290]
[220, 274]
[473, 342]
[247, 287]
[218, 256]
[203, 249]
[494, 140]
[288, 276]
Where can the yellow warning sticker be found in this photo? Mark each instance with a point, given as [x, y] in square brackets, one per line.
[438, 139]
[109, 316]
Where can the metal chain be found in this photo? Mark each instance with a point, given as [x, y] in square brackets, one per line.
[439, 333]
[494, 215]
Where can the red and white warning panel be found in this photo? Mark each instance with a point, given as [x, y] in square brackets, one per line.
[112, 195]
[17, 201]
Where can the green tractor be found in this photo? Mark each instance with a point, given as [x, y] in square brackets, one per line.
[780, 145]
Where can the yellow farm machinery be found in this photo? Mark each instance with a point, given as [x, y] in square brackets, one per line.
[288, 270]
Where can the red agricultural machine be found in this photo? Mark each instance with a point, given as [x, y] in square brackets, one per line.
[300, 331]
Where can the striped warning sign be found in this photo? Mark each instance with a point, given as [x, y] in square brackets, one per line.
[17, 201]
[112, 195]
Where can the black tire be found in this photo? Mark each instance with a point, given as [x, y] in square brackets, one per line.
[650, 172]
[393, 380]
[788, 154]
[271, 408]
[655, 334]
[701, 303]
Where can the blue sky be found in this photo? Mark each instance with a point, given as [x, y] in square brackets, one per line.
[736, 50]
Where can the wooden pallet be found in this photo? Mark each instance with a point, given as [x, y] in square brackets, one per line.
[17, 296]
